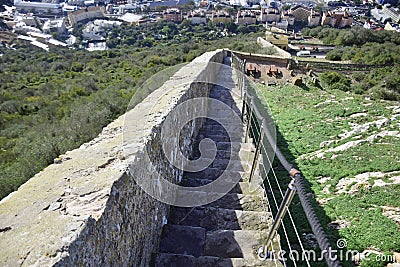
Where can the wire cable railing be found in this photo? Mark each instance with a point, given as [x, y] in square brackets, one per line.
[274, 199]
[257, 129]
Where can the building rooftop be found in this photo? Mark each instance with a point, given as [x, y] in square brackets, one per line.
[130, 17]
[40, 35]
[36, 4]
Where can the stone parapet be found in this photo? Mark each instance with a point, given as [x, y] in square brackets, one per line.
[86, 210]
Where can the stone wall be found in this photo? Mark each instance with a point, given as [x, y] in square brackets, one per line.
[279, 51]
[324, 65]
[263, 59]
[87, 210]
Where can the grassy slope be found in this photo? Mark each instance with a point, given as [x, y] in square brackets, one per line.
[52, 102]
[308, 118]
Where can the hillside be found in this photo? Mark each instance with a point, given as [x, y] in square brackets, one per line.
[348, 148]
[52, 102]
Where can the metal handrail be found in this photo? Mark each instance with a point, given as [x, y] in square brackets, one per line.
[297, 183]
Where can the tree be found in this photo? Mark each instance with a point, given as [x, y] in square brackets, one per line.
[231, 27]
[318, 8]
[161, 8]
[186, 23]
[243, 29]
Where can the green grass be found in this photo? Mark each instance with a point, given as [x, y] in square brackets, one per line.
[305, 119]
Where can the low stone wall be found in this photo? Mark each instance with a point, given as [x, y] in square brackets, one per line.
[262, 59]
[280, 52]
[324, 65]
[87, 210]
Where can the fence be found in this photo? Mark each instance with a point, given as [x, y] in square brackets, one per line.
[257, 127]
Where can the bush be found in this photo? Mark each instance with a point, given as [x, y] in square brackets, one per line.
[335, 80]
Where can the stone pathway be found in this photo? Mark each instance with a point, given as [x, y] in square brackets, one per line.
[228, 231]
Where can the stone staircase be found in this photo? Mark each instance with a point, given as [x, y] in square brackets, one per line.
[228, 231]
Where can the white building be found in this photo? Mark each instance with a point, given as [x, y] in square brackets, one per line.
[22, 27]
[69, 8]
[393, 13]
[57, 25]
[242, 3]
[379, 15]
[246, 17]
[37, 7]
[131, 18]
[283, 24]
[270, 15]
[97, 46]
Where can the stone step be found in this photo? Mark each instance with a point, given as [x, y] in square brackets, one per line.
[229, 102]
[179, 260]
[233, 102]
[235, 158]
[235, 97]
[220, 94]
[240, 188]
[208, 173]
[211, 173]
[218, 114]
[235, 146]
[223, 96]
[197, 196]
[219, 132]
[226, 138]
[226, 120]
[213, 219]
[246, 155]
[222, 91]
[231, 165]
[183, 240]
[197, 242]
[173, 260]
[217, 129]
[229, 128]
[241, 154]
[221, 137]
[240, 202]
[237, 244]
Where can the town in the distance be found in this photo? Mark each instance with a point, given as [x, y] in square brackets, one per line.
[53, 23]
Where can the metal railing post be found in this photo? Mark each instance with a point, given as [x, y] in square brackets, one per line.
[249, 115]
[257, 152]
[287, 199]
[244, 107]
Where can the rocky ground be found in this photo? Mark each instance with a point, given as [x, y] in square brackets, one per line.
[348, 147]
